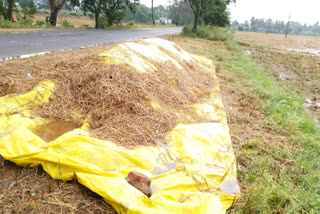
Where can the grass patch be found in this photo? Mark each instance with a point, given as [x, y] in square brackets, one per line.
[277, 176]
[280, 181]
[208, 32]
[67, 25]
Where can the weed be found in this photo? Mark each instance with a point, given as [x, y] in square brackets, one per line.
[208, 32]
[66, 24]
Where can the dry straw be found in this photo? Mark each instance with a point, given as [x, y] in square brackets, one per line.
[115, 98]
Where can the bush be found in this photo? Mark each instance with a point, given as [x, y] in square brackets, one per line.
[85, 27]
[25, 23]
[208, 32]
[40, 23]
[131, 24]
[20, 24]
[103, 22]
[66, 24]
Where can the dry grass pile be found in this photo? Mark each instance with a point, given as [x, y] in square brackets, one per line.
[115, 98]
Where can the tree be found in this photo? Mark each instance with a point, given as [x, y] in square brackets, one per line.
[143, 14]
[55, 7]
[6, 9]
[28, 9]
[10, 10]
[113, 10]
[132, 5]
[94, 6]
[217, 14]
[153, 22]
[175, 11]
[200, 7]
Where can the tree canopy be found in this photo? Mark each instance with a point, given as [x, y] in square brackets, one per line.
[213, 12]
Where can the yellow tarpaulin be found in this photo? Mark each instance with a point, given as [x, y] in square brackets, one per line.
[192, 170]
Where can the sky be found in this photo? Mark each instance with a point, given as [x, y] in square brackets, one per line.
[306, 11]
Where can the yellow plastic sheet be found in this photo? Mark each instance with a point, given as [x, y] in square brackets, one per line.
[193, 170]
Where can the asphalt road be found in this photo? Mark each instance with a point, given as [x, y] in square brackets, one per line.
[32, 43]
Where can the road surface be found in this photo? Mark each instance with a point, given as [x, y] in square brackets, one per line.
[24, 44]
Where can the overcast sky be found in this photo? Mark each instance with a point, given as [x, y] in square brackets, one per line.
[306, 11]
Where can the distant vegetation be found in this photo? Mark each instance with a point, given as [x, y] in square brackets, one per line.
[280, 27]
[106, 13]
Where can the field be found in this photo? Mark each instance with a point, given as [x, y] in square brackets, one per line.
[270, 91]
[77, 20]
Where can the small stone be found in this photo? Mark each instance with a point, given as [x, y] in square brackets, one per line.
[140, 181]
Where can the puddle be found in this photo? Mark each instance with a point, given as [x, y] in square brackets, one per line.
[52, 130]
[306, 51]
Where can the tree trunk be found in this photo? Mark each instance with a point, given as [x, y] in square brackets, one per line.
[196, 17]
[195, 23]
[10, 10]
[96, 20]
[53, 17]
[134, 17]
[153, 22]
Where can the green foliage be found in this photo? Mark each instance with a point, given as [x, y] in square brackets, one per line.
[28, 9]
[132, 6]
[180, 13]
[113, 11]
[85, 27]
[39, 24]
[212, 10]
[208, 32]
[20, 24]
[3, 9]
[66, 24]
[281, 181]
[217, 14]
[143, 14]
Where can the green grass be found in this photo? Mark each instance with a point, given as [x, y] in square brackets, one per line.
[208, 32]
[28, 24]
[281, 180]
[278, 177]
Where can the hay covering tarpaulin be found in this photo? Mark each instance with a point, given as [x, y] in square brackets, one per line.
[193, 169]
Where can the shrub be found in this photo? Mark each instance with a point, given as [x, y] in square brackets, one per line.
[66, 24]
[40, 23]
[208, 32]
